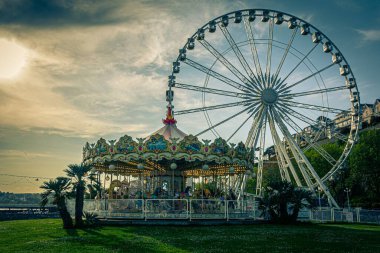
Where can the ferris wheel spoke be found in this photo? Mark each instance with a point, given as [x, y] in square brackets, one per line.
[256, 59]
[213, 107]
[312, 143]
[306, 78]
[314, 107]
[313, 92]
[313, 123]
[253, 132]
[238, 54]
[261, 156]
[225, 120]
[285, 53]
[212, 91]
[282, 152]
[298, 64]
[293, 148]
[227, 64]
[279, 156]
[242, 124]
[214, 74]
[304, 163]
[269, 54]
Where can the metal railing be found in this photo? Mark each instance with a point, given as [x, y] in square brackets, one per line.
[166, 209]
[196, 209]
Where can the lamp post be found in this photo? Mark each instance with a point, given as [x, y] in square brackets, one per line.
[347, 191]
[319, 198]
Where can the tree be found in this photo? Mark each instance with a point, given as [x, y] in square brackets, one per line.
[364, 161]
[79, 173]
[319, 163]
[57, 191]
[282, 201]
[269, 174]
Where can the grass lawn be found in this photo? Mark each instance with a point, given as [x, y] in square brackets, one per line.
[48, 236]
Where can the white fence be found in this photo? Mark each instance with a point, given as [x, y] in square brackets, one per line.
[193, 209]
[356, 215]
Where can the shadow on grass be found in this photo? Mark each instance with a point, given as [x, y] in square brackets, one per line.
[233, 238]
[122, 239]
[71, 232]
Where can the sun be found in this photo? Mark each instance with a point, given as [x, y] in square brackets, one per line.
[13, 58]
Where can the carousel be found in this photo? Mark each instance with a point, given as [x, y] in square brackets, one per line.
[169, 164]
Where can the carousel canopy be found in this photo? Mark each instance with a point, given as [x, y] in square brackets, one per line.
[169, 131]
[162, 148]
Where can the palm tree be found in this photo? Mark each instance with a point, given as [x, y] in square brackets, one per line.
[94, 187]
[282, 201]
[79, 172]
[58, 191]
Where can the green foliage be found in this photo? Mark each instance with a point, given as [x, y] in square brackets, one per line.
[318, 162]
[251, 185]
[79, 173]
[57, 191]
[364, 161]
[282, 201]
[270, 174]
[361, 173]
[90, 218]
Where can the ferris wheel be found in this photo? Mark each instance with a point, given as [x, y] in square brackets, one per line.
[274, 81]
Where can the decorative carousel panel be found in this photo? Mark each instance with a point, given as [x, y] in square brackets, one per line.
[190, 144]
[157, 156]
[126, 145]
[86, 151]
[240, 151]
[102, 147]
[219, 147]
[157, 143]
[126, 158]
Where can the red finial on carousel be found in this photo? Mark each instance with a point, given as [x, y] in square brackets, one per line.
[169, 117]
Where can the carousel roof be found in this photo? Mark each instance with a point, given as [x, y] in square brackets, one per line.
[169, 130]
[167, 144]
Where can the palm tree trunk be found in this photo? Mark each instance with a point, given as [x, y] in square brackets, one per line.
[79, 199]
[65, 215]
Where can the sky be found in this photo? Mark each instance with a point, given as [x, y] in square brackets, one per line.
[75, 71]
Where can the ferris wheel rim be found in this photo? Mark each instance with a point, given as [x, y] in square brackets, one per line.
[269, 115]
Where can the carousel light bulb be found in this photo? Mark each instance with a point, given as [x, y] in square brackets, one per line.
[173, 166]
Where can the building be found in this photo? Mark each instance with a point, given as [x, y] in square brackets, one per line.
[368, 116]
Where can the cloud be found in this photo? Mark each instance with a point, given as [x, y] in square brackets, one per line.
[57, 13]
[369, 35]
[92, 78]
[17, 154]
